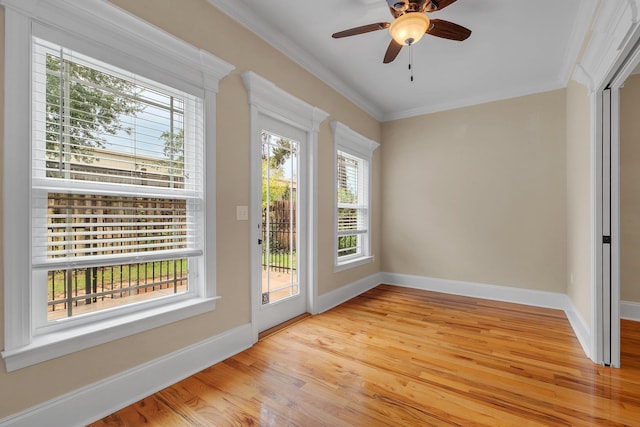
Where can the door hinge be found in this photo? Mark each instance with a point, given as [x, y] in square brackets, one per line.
[606, 239]
[259, 241]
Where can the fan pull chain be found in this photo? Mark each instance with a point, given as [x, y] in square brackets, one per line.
[411, 61]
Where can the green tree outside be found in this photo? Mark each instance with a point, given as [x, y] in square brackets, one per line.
[83, 106]
[174, 152]
[274, 184]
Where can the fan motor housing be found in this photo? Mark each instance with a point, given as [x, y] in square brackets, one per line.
[399, 6]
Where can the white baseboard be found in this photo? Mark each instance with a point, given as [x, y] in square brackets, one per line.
[536, 298]
[336, 297]
[479, 290]
[630, 310]
[580, 327]
[109, 395]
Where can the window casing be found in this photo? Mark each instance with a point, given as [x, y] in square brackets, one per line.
[121, 204]
[353, 154]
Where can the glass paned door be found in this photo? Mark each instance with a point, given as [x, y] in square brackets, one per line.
[279, 207]
[279, 218]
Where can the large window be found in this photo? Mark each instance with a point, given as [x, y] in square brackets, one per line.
[112, 225]
[117, 186]
[353, 154]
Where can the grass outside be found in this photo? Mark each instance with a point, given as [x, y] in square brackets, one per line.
[117, 275]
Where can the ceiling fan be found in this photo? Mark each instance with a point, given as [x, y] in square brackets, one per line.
[410, 24]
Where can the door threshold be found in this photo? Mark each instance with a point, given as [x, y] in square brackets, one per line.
[264, 334]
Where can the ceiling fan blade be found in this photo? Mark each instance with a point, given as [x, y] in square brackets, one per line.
[448, 30]
[435, 5]
[392, 51]
[361, 30]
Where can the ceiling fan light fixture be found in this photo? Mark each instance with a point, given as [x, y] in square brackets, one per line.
[409, 28]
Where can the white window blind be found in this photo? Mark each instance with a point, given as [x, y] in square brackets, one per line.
[352, 203]
[117, 183]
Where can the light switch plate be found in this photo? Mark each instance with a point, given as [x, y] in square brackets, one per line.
[242, 213]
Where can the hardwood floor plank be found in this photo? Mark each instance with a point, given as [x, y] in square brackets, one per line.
[394, 356]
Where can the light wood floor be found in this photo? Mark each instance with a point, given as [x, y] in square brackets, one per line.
[395, 357]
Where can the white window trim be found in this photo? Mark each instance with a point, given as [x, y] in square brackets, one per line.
[351, 142]
[150, 52]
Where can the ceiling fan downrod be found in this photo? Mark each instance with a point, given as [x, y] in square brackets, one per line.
[411, 62]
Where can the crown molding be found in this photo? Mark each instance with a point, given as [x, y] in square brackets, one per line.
[508, 93]
[579, 32]
[246, 17]
[615, 24]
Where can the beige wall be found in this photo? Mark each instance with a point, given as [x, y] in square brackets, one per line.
[478, 194]
[630, 190]
[200, 24]
[579, 198]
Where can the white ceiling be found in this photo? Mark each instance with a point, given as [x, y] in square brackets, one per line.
[517, 47]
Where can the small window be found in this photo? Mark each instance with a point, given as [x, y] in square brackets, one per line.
[353, 207]
[353, 157]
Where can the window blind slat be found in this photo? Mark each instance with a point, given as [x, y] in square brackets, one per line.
[109, 189]
[62, 264]
[352, 232]
[136, 249]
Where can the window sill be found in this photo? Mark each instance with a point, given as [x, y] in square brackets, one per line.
[56, 344]
[352, 263]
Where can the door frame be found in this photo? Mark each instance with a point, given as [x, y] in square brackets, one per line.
[607, 57]
[265, 98]
[298, 304]
[610, 340]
